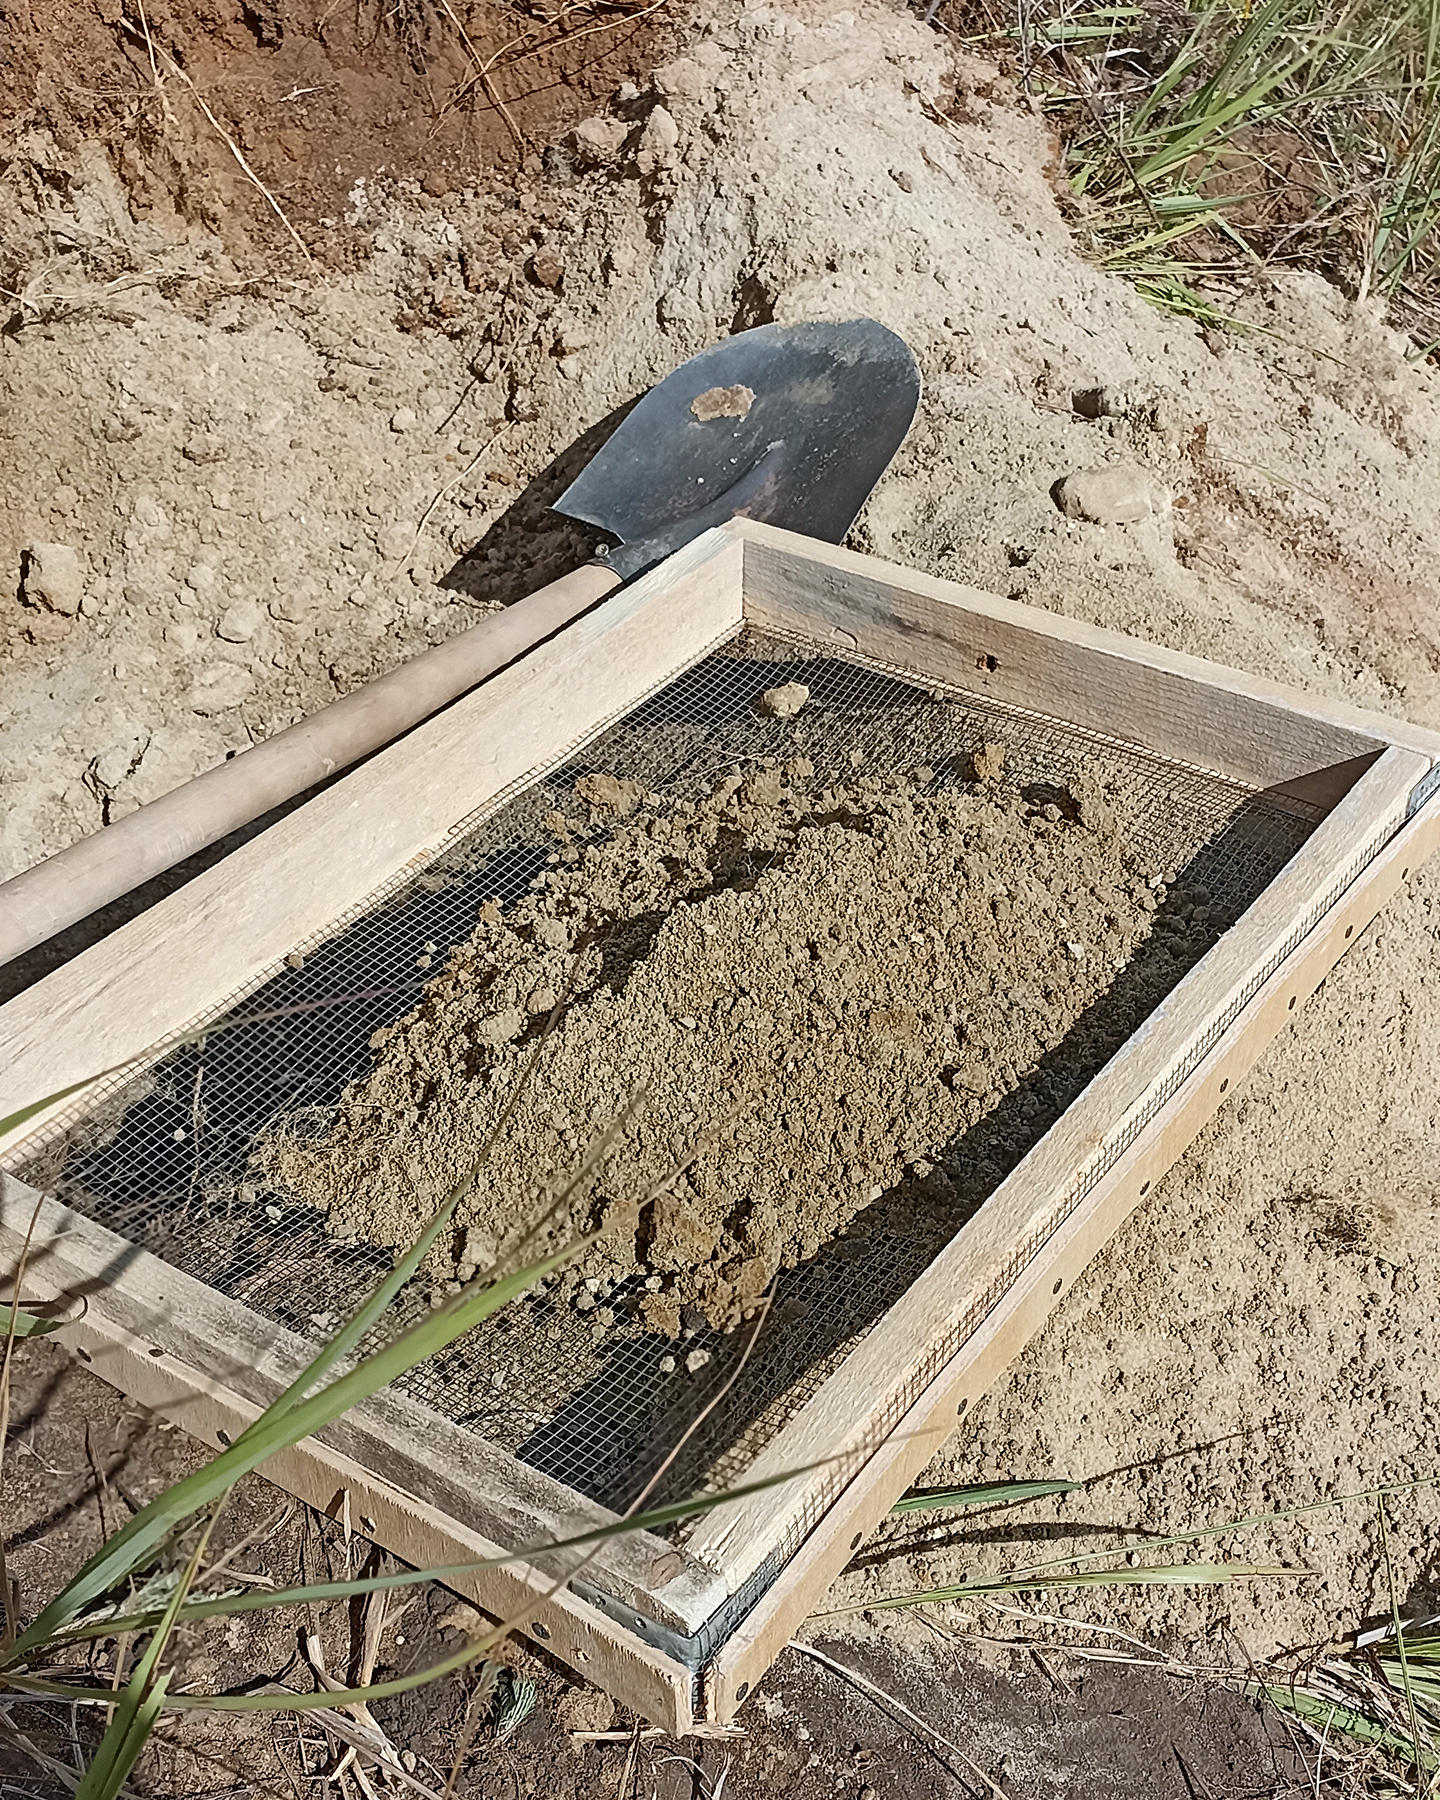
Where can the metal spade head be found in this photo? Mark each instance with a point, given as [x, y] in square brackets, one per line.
[791, 424]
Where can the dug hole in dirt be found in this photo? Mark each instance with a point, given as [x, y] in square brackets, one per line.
[274, 474]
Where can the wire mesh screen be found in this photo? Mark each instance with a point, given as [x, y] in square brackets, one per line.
[166, 1157]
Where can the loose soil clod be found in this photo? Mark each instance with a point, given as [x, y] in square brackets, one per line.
[795, 993]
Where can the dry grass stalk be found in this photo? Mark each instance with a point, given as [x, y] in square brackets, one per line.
[229, 142]
[482, 74]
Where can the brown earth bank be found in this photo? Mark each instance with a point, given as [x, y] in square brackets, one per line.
[254, 120]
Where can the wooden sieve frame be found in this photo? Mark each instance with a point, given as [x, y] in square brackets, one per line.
[685, 1637]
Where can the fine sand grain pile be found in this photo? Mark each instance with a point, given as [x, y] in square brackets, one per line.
[802, 991]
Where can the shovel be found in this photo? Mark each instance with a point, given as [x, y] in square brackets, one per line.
[792, 424]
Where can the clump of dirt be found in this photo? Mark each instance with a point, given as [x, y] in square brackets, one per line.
[788, 993]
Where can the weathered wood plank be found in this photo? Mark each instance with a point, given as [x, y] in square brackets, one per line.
[921, 1430]
[1241, 726]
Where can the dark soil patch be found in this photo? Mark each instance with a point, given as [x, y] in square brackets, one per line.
[315, 96]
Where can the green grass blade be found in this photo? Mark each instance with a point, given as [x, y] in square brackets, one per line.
[337, 1348]
[1330, 1715]
[292, 1417]
[112, 1622]
[1175, 1539]
[267, 1703]
[1401, 1659]
[140, 1705]
[26, 1113]
[1192, 1574]
[138, 1541]
[16, 1322]
[1003, 1493]
[125, 1737]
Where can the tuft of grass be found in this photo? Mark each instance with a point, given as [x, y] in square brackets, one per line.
[1385, 1694]
[1208, 141]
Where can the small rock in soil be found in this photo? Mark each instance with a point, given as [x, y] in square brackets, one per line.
[1113, 496]
[682, 79]
[571, 338]
[609, 797]
[461, 1617]
[988, 763]
[217, 689]
[113, 765]
[584, 1709]
[657, 142]
[205, 447]
[599, 139]
[548, 268]
[240, 622]
[785, 701]
[54, 578]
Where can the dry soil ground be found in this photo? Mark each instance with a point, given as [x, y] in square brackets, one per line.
[282, 469]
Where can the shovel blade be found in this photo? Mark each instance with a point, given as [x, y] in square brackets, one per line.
[790, 424]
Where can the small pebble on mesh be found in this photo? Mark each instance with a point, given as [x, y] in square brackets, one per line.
[785, 701]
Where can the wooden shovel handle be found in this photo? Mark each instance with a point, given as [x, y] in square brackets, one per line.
[98, 869]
